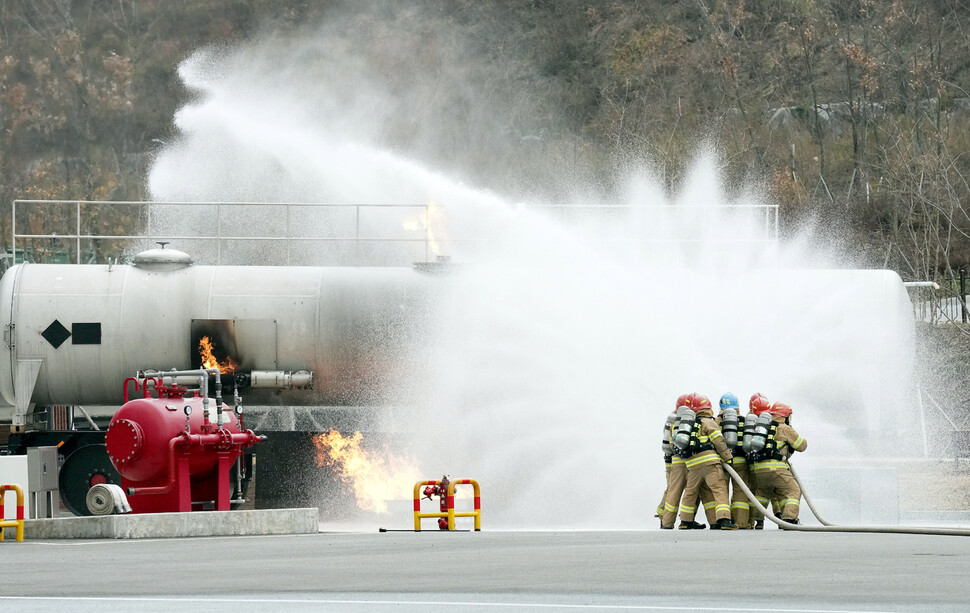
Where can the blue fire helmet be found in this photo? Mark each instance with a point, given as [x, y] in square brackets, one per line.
[729, 401]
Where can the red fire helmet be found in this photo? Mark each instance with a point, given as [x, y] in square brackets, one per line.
[699, 401]
[781, 409]
[683, 401]
[759, 404]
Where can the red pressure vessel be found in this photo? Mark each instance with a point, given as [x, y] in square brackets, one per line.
[172, 459]
[139, 434]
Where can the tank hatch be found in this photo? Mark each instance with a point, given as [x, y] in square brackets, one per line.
[162, 259]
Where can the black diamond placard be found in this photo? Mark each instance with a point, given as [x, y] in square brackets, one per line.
[56, 334]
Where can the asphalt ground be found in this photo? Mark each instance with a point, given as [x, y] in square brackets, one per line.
[649, 570]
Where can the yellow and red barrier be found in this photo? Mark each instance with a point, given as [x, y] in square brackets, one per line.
[450, 513]
[19, 522]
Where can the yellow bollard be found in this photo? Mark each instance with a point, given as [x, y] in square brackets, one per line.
[19, 522]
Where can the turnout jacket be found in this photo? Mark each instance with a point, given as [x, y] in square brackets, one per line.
[787, 441]
[708, 434]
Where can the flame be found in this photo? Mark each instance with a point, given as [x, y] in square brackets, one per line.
[432, 213]
[375, 478]
[209, 361]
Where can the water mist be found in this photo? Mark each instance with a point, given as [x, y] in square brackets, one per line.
[558, 345]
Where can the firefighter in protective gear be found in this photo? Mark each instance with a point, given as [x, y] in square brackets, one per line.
[757, 405]
[667, 447]
[704, 473]
[677, 481]
[740, 507]
[773, 478]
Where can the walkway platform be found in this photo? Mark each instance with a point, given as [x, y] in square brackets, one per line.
[176, 525]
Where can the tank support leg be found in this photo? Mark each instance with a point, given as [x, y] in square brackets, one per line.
[224, 486]
[183, 487]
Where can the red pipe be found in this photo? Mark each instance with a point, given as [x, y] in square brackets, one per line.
[220, 438]
[137, 386]
[154, 386]
[170, 483]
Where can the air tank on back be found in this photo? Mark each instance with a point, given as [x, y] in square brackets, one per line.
[73, 332]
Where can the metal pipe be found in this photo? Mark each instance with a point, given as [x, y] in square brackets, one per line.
[278, 379]
[239, 468]
[94, 426]
[218, 377]
[203, 376]
[226, 437]
[831, 528]
[170, 482]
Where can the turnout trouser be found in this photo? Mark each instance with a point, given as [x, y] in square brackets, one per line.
[741, 511]
[706, 479]
[778, 486]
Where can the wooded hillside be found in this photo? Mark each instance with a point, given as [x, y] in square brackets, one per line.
[855, 112]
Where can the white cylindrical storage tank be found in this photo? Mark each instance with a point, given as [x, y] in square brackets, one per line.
[837, 344]
[85, 328]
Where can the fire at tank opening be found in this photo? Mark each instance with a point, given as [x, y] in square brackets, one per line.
[209, 360]
[376, 476]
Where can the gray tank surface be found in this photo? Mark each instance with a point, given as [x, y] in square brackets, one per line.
[74, 333]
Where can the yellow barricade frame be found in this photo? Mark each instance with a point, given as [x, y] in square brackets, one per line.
[450, 497]
[7, 523]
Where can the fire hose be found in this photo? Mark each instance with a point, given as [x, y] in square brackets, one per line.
[829, 527]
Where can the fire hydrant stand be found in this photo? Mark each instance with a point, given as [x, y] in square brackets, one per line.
[445, 490]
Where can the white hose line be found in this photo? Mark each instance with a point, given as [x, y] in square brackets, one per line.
[830, 528]
[808, 500]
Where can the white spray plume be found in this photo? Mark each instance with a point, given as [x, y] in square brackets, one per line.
[556, 357]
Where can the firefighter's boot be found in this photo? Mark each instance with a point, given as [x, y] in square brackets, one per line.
[690, 525]
[724, 524]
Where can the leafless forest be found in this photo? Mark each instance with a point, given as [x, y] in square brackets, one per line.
[854, 115]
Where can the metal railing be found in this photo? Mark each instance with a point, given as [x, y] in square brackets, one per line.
[223, 223]
[767, 212]
[288, 233]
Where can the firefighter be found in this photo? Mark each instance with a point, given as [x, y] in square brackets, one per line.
[704, 472]
[771, 472]
[757, 405]
[729, 420]
[668, 451]
[676, 475]
[677, 480]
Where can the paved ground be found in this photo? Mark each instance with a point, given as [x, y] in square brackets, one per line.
[493, 571]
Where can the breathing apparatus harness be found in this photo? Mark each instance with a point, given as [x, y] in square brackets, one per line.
[694, 444]
[731, 425]
[666, 444]
[768, 449]
[738, 449]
